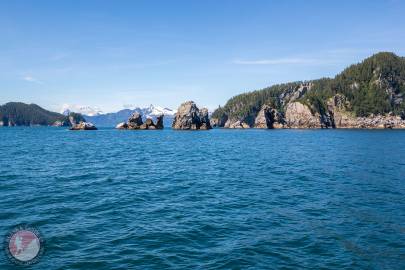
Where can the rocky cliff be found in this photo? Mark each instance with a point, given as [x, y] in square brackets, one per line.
[365, 95]
[299, 115]
[269, 117]
[190, 117]
[339, 110]
[337, 115]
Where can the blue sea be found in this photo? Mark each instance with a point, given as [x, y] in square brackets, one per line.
[219, 199]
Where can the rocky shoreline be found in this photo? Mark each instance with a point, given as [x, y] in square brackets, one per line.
[295, 114]
[298, 115]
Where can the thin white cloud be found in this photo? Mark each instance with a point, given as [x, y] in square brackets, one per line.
[280, 61]
[58, 57]
[32, 79]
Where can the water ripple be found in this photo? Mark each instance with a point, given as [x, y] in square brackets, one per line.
[224, 199]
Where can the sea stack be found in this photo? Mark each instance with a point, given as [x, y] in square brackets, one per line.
[189, 117]
[135, 122]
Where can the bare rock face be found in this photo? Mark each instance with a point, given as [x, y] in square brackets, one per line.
[293, 94]
[218, 122]
[263, 118]
[298, 115]
[339, 107]
[159, 122]
[83, 126]
[269, 118]
[236, 124]
[189, 117]
[143, 126]
[135, 122]
[204, 119]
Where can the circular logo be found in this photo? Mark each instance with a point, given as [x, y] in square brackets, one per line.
[24, 245]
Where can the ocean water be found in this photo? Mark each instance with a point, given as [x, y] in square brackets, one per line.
[219, 199]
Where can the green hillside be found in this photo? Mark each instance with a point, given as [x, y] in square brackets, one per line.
[374, 86]
[21, 114]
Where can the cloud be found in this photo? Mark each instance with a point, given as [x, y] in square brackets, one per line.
[58, 57]
[280, 61]
[326, 57]
[32, 79]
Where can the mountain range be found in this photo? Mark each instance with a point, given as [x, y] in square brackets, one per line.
[112, 119]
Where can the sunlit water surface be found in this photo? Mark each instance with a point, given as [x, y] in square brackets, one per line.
[219, 199]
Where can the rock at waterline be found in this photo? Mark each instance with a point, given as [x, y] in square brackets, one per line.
[135, 122]
[122, 125]
[189, 117]
[83, 126]
[299, 115]
[269, 118]
[237, 124]
[159, 122]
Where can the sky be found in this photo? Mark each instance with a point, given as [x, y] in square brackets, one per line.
[115, 54]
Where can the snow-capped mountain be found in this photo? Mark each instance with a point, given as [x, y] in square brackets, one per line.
[152, 111]
[112, 119]
[85, 110]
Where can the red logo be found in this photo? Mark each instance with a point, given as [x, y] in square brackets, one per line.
[24, 245]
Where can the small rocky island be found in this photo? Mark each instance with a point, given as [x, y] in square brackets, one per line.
[75, 121]
[83, 126]
[135, 122]
[190, 117]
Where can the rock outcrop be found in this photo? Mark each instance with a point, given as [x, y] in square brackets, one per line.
[338, 114]
[299, 115]
[269, 118]
[83, 126]
[159, 122]
[218, 122]
[294, 93]
[339, 109]
[135, 122]
[189, 117]
[204, 119]
[236, 124]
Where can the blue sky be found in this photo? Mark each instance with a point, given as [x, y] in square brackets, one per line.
[112, 53]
